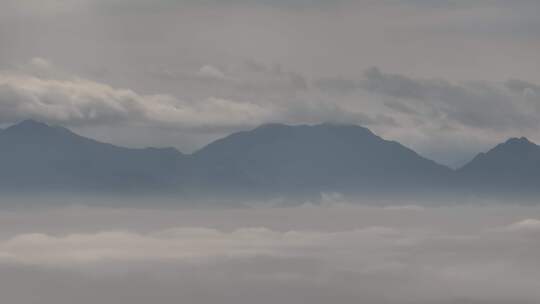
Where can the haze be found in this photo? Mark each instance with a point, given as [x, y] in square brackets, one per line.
[333, 253]
[269, 151]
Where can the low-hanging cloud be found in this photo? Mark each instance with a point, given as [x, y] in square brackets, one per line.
[76, 101]
[40, 91]
[512, 105]
[472, 104]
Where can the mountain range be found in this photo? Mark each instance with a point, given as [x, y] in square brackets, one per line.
[273, 160]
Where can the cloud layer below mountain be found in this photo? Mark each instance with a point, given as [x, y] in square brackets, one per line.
[332, 253]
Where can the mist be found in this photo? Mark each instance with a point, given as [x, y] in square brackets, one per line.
[269, 152]
[336, 251]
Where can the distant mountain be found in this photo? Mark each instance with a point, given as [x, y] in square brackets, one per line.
[510, 166]
[273, 160]
[286, 159]
[36, 156]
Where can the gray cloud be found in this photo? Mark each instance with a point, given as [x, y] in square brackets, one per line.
[381, 255]
[336, 84]
[483, 105]
[474, 104]
[74, 101]
[40, 91]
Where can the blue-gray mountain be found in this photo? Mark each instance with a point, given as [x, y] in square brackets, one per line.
[510, 167]
[38, 157]
[270, 161]
[303, 159]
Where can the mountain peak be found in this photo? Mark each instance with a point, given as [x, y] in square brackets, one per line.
[29, 124]
[272, 125]
[32, 130]
[517, 154]
[519, 141]
[515, 145]
[324, 125]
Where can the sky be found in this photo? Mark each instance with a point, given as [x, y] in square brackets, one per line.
[446, 78]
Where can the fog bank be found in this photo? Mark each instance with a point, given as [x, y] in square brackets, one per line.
[318, 254]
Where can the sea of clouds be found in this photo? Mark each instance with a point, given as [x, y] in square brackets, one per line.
[335, 253]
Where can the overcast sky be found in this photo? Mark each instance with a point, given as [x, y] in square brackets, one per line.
[446, 78]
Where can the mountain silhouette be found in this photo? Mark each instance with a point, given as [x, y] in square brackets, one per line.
[273, 160]
[36, 156]
[277, 158]
[510, 166]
